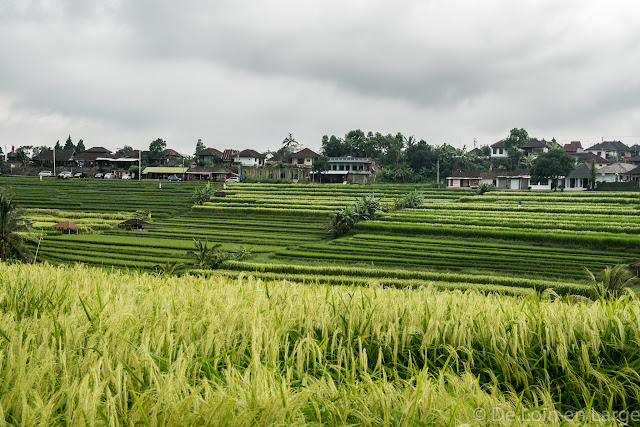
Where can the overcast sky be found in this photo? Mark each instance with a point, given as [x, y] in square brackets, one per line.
[244, 74]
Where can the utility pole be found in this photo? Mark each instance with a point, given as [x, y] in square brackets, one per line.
[438, 172]
[54, 161]
[139, 165]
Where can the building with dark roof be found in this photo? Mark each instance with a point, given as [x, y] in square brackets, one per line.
[465, 179]
[209, 173]
[498, 149]
[250, 158]
[587, 157]
[535, 147]
[94, 156]
[229, 155]
[209, 155]
[573, 147]
[63, 157]
[579, 179]
[610, 150]
[477, 151]
[303, 158]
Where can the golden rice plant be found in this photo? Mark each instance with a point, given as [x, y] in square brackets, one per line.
[83, 345]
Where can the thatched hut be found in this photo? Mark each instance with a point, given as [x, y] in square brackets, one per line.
[134, 224]
[68, 226]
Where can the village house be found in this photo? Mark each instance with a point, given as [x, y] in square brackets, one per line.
[610, 150]
[634, 174]
[470, 179]
[573, 147]
[45, 158]
[476, 151]
[126, 160]
[163, 172]
[249, 158]
[498, 150]
[351, 170]
[586, 157]
[275, 159]
[520, 180]
[229, 155]
[209, 173]
[615, 172]
[579, 179]
[94, 157]
[303, 158]
[209, 155]
[535, 147]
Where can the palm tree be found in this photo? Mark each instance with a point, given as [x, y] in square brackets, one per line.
[168, 269]
[614, 281]
[202, 255]
[11, 223]
[527, 161]
[208, 257]
[289, 145]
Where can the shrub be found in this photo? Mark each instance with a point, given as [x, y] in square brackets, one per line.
[411, 200]
[367, 208]
[615, 281]
[202, 195]
[341, 221]
[485, 188]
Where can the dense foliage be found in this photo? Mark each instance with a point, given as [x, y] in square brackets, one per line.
[12, 244]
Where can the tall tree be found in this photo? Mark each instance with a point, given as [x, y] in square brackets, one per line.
[21, 155]
[355, 142]
[513, 143]
[516, 139]
[552, 165]
[11, 224]
[80, 147]
[289, 145]
[420, 155]
[333, 147]
[68, 145]
[393, 149]
[157, 150]
[58, 146]
[124, 150]
[38, 150]
[199, 145]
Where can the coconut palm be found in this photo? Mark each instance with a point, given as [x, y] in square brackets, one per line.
[615, 281]
[11, 224]
[168, 269]
[203, 255]
[527, 161]
[208, 257]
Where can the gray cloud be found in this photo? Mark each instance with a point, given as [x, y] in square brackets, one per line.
[241, 73]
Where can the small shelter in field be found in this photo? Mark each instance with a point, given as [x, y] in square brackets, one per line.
[134, 224]
[66, 227]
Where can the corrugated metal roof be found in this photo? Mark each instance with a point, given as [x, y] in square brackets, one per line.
[165, 169]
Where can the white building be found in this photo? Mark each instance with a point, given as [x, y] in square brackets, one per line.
[249, 158]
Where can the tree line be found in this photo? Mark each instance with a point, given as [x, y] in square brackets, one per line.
[404, 158]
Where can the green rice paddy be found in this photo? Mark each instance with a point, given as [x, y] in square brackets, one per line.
[456, 239]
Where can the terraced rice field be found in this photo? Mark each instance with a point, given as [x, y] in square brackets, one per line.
[456, 239]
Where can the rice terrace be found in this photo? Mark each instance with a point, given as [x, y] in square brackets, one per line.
[269, 304]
